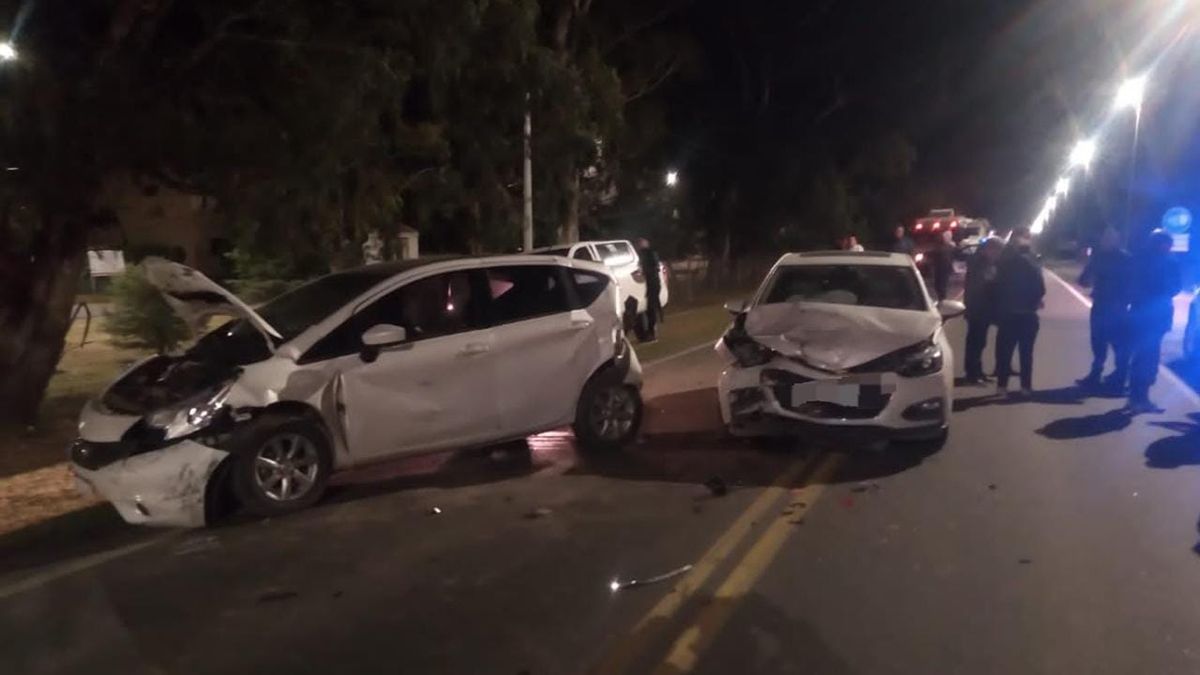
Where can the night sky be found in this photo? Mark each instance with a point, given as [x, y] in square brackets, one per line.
[992, 93]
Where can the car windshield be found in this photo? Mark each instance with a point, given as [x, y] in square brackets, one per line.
[864, 285]
[296, 310]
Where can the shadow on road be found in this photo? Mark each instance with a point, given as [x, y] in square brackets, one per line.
[1173, 452]
[1071, 395]
[71, 535]
[1087, 426]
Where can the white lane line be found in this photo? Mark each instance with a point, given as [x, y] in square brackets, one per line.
[678, 355]
[78, 565]
[1166, 372]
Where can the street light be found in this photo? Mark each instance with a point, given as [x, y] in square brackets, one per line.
[1083, 153]
[672, 178]
[1131, 92]
[1062, 186]
[8, 52]
[1051, 204]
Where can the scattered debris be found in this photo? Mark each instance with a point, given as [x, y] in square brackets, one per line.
[276, 595]
[861, 487]
[337, 594]
[697, 508]
[798, 521]
[991, 486]
[1135, 494]
[435, 511]
[848, 502]
[540, 512]
[1024, 561]
[508, 499]
[717, 486]
[617, 585]
[798, 505]
[787, 512]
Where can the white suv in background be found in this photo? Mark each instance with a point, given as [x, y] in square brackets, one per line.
[356, 367]
[621, 257]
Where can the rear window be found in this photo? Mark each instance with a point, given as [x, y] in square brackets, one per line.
[863, 285]
[588, 287]
[525, 291]
[616, 253]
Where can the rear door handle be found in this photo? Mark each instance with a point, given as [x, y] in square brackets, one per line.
[474, 349]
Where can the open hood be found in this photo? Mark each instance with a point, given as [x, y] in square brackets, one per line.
[195, 297]
[837, 337]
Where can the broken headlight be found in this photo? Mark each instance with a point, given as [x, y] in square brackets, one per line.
[747, 352]
[924, 361]
[191, 415]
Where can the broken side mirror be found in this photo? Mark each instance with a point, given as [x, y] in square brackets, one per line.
[950, 309]
[737, 307]
[380, 336]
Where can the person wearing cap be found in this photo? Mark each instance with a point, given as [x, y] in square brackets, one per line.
[1156, 281]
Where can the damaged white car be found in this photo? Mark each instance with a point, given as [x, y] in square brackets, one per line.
[352, 368]
[839, 342]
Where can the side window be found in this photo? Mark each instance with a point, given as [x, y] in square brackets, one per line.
[524, 292]
[426, 308]
[584, 253]
[616, 253]
[588, 287]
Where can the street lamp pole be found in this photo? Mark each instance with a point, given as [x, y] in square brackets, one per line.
[527, 223]
[1130, 94]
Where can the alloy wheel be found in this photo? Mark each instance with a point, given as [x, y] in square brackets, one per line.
[286, 467]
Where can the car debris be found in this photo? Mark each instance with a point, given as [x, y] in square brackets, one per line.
[540, 512]
[717, 486]
[277, 594]
[435, 511]
[618, 585]
[1025, 561]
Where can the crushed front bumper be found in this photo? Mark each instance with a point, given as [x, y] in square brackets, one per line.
[166, 486]
[755, 402]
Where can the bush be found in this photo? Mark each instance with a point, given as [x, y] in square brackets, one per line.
[140, 318]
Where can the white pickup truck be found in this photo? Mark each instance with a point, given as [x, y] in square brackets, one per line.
[621, 257]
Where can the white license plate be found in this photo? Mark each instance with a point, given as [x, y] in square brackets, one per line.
[846, 391]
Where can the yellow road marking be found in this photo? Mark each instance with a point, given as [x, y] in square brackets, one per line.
[622, 656]
[686, 652]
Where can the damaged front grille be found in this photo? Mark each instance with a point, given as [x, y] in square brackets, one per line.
[872, 398]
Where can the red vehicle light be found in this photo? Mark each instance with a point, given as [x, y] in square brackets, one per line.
[937, 225]
[919, 226]
[953, 224]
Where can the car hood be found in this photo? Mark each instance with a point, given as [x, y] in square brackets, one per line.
[195, 297]
[837, 337]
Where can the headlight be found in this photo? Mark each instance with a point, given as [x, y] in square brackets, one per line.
[747, 352]
[191, 415]
[924, 362]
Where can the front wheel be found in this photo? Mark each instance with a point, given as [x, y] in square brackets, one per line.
[608, 415]
[282, 465]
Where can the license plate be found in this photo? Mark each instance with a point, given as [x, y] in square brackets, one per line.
[847, 391]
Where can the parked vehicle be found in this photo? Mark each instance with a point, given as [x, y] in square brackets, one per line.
[621, 257]
[839, 341]
[967, 234]
[355, 367]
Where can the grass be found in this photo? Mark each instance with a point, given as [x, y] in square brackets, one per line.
[702, 319]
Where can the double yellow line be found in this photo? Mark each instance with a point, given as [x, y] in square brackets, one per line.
[685, 651]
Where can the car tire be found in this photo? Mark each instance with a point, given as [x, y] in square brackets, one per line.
[281, 465]
[608, 414]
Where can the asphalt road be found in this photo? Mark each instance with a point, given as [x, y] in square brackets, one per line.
[1048, 536]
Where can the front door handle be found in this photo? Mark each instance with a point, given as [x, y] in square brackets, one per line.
[474, 349]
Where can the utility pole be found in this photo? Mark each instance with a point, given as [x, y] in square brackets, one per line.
[527, 226]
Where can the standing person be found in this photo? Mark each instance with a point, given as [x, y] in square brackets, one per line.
[1109, 273]
[650, 262]
[853, 245]
[901, 242]
[1156, 281]
[979, 295]
[1019, 292]
[941, 259]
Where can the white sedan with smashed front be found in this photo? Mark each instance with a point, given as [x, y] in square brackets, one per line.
[353, 368]
[841, 342]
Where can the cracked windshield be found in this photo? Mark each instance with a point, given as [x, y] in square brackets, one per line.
[627, 336]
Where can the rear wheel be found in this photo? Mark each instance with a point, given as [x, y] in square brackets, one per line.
[282, 465]
[609, 413]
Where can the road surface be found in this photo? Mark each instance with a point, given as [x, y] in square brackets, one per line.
[1048, 536]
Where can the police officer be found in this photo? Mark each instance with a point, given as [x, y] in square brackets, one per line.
[979, 294]
[1109, 274]
[1156, 281]
[1019, 292]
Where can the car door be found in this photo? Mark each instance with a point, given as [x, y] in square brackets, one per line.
[544, 349]
[433, 390]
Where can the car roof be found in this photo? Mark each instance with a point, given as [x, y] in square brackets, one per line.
[882, 258]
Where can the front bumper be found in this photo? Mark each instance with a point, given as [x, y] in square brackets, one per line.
[754, 404]
[166, 486]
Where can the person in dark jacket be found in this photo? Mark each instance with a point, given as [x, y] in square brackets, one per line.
[650, 262]
[1109, 274]
[941, 260]
[979, 295]
[902, 243]
[1020, 288]
[1156, 282]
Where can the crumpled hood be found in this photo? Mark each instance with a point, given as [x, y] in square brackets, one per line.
[837, 337]
[195, 297]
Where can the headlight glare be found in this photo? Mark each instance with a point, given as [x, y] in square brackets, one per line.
[924, 362]
[190, 416]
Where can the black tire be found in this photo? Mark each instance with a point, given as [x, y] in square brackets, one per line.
[266, 437]
[600, 398]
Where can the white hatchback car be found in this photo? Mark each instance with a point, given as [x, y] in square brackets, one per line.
[839, 341]
[352, 368]
[621, 257]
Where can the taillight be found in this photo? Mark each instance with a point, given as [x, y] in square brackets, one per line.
[953, 224]
[919, 257]
[937, 225]
[919, 226]
[638, 276]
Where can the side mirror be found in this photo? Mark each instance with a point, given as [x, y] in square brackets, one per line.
[950, 309]
[379, 336]
[736, 307]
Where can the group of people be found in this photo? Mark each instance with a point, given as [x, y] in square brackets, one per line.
[1132, 311]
